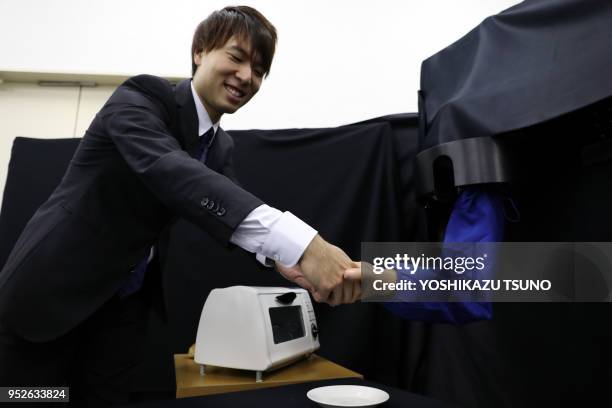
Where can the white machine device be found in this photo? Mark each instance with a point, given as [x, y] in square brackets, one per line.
[255, 328]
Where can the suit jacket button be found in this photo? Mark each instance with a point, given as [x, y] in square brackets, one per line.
[221, 212]
[204, 202]
[210, 205]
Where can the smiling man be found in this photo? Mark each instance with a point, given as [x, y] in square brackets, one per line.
[229, 68]
[73, 309]
[229, 78]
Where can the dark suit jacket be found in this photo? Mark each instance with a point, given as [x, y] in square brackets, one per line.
[132, 173]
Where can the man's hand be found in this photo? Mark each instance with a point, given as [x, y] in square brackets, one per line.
[362, 274]
[354, 272]
[327, 272]
[323, 266]
[295, 275]
[350, 290]
[352, 282]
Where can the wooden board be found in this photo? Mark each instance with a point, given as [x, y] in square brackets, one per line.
[189, 382]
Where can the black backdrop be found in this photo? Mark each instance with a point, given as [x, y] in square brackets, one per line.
[354, 183]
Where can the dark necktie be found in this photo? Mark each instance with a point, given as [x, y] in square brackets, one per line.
[134, 283]
[204, 144]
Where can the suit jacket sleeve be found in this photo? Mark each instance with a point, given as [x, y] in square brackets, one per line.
[139, 126]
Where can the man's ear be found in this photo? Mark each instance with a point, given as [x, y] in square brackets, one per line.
[197, 57]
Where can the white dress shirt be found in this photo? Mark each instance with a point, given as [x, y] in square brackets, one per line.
[266, 231]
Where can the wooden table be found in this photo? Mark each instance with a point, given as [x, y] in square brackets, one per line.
[189, 382]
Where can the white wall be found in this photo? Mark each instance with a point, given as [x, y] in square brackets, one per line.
[337, 61]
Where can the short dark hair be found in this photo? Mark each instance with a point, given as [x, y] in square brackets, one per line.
[242, 21]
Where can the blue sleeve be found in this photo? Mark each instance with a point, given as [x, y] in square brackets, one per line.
[477, 216]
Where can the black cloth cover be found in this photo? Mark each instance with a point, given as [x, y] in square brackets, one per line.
[533, 62]
[536, 77]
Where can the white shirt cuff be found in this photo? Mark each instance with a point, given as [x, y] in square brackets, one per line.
[269, 233]
[288, 240]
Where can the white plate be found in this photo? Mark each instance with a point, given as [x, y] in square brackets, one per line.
[347, 396]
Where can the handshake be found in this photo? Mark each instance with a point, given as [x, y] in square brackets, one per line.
[327, 272]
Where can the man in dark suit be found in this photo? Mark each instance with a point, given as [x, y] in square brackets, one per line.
[72, 286]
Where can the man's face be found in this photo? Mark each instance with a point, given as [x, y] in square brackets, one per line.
[226, 77]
